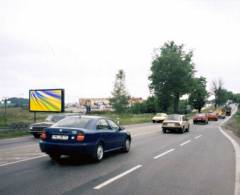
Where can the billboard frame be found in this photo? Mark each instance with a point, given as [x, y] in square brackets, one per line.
[62, 100]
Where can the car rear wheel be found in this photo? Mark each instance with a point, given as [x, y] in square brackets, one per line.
[36, 135]
[99, 152]
[127, 145]
[182, 130]
[153, 121]
[188, 128]
[164, 130]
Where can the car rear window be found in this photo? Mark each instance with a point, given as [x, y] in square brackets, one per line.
[174, 117]
[73, 122]
[200, 115]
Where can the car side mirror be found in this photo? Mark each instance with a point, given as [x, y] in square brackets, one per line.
[121, 128]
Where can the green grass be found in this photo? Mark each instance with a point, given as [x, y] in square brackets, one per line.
[13, 133]
[234, 124]
[237, 119]
[127, 119]
[16, 115]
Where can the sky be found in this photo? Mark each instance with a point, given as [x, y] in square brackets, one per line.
[80, 45]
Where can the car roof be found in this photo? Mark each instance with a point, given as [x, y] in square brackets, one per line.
[93, 120]
[65, 114]
[91, 117]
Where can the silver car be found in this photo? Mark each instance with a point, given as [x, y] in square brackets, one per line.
[177, 123]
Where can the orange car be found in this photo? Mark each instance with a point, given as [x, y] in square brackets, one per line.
[212, 116]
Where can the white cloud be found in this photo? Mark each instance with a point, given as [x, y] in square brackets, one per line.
[80, 45]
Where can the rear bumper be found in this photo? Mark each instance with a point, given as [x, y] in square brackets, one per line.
[213, 119]
[200, 121]
[172, 128]
[67, 149]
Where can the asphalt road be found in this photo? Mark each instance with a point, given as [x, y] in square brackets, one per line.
[199, 162]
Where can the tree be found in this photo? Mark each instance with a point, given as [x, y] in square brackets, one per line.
[221, 94]
[199, 94]
[120, 98]
[172, 74]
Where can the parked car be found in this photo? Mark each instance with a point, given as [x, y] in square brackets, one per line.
[84, 135]
[37, 128]
[200, 118]
[212, 116]
[176, 122]
[159, 117]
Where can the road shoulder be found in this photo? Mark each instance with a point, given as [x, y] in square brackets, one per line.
[235, 140]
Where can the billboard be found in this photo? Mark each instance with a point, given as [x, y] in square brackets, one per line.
[46, 100]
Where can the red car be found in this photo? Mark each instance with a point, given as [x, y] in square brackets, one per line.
[212, 116]
[200, 118]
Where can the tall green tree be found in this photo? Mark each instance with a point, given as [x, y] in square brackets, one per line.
[199, 94]
[120, 98]
[221, 94]
[172, 74]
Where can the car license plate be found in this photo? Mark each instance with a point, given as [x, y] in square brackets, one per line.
[60, 137]
[170, 125]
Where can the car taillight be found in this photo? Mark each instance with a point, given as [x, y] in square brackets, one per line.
[177, 124]
[80, 137]
[43, 135]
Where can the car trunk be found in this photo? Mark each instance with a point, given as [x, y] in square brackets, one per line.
[62, 135]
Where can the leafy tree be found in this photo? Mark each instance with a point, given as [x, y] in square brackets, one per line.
[150, 105]
[120, 98]
[172, 74]
[199, 94]
[221, 94]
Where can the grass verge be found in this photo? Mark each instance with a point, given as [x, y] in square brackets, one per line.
[127, 119]
[13, 133]
[234, 124]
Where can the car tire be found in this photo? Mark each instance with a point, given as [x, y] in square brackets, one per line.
[126, 145]
[188, 129]
[55, 157]
[182, 130]
[36, 135]
[153, 121]
[99, 153]
[164, 130]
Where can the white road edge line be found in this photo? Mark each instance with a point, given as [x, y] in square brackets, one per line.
[186, 142]
[116, 177]
[164, 153]
[197, 137]
[27, 159]
[237, 163]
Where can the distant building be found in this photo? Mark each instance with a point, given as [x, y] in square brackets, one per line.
[104, 103]
[94, 102]
[134, 100]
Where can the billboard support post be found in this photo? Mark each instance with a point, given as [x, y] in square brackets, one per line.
[35, 117]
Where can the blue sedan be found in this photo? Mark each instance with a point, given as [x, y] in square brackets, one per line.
[84, 135]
